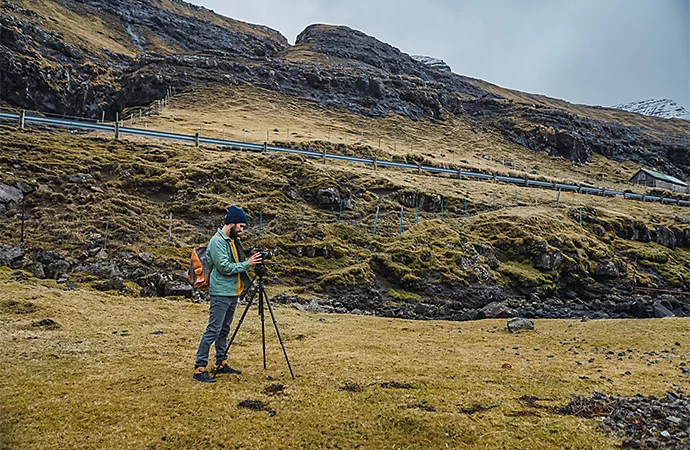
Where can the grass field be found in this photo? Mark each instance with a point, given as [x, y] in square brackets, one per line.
[113, 372]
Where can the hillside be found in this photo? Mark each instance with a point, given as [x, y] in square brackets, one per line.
[121, 57]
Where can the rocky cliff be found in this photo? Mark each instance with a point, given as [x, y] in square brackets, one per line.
[131, 52]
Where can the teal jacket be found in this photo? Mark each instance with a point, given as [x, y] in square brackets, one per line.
[226, 260]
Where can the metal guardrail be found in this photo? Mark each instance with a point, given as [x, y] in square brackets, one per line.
[312, 154]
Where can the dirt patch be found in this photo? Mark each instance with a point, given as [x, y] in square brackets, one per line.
[395, 385]
[421, 405]
[275, 388]
[475, 408]
[47, 324]
[257, 405]
[352, 387]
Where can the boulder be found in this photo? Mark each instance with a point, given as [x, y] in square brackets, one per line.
[659, 310]
[11, 256]
[498, 310]
[520, 323]
[607, 269]
[10, 194]
[665, 237]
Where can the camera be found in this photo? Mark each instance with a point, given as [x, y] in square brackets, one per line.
[265, 255]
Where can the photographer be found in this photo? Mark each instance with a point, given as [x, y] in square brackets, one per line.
[228, 268]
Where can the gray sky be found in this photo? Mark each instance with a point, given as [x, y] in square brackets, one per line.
[597, 52]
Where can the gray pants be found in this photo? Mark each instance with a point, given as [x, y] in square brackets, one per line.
[221, 311]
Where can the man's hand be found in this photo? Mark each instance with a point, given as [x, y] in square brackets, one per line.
[255, 259]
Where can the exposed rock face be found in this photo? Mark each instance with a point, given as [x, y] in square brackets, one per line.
[163, 47]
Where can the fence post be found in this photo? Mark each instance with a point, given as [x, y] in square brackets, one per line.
[460, 174]
[558, 197]
[441, 208]
[323, 156]
[340, 213]
[416, 212]
[376, 219]
[103, 116]
[107, 226]
[467, 213]
[170, 229]
[419, 168]
[517, 203]
[196, 139]
[401, 219]
[265, 148]
[21, 235]
[22, 119]
[261, 222]
[117, 130]
[375, 165]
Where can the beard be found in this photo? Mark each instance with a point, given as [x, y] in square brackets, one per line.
[233, 232]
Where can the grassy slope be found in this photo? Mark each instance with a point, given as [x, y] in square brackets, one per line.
[136, 183]
[90, 384]
[226, 111]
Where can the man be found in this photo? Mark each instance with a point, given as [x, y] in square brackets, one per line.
[228, 267]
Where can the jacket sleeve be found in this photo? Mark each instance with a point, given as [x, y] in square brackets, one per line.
[222, 261]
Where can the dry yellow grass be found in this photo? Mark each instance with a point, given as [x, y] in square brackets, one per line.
[89, 32]
[91, 384]
[267, 115]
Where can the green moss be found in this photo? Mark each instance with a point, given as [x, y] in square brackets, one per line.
[402, 295]
[524, 274]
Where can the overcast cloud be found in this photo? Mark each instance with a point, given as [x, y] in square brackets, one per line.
[596, 52]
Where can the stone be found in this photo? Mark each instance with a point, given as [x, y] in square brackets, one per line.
[607, 269]
[498, 310]
[114, 284]
[520, 323]
[659, 311]
[666, 237]
[146, 257]
[10, 194]
[314, 307]
[11, 256]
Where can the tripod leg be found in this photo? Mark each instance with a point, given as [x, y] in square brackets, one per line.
[275, 324]
[262, 294]
[250, 300]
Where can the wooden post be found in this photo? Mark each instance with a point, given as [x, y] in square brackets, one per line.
[416, 212]
[261, 222]
[376, 219]
[467, 213]
[460, 174]
[22, 119]
[580, 216]
[107, 226]
[170, 229]
[442, 209]
[117, 130]
[375, 165]
[517, 203]
[401, 219]
[323, 156]
[103, 117]
[265, 147]
[419, 168]
[558, 197]
[196, 139]
[21, 235]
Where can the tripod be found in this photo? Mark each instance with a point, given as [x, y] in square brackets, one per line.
[263, 297]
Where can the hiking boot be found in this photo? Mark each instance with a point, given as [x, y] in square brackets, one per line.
[202, 376]
[225, 368]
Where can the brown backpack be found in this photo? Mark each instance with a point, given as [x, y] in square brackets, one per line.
[198, 269]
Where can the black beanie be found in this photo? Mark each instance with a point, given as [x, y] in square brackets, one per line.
[235, 215]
